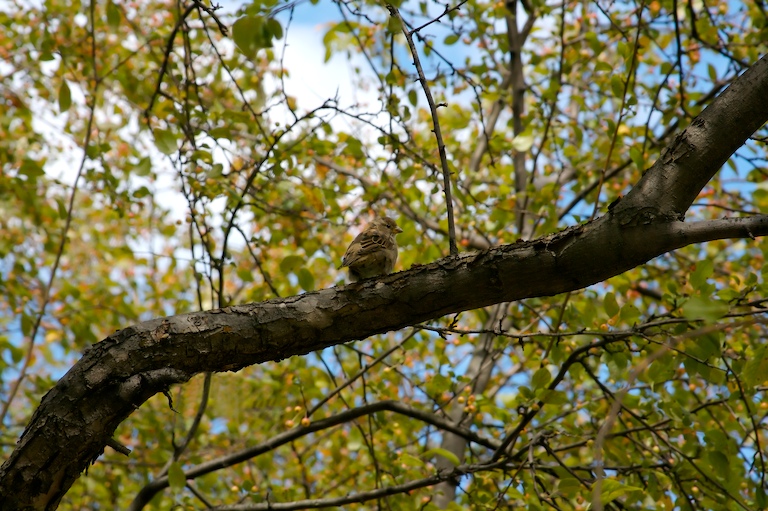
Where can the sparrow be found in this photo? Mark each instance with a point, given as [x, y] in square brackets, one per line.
[374, 251]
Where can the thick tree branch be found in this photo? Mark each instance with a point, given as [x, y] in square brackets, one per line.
[115, 376]
[685, 166]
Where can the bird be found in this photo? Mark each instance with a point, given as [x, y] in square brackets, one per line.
[374, 251]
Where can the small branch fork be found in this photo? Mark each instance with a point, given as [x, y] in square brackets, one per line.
[393, 11]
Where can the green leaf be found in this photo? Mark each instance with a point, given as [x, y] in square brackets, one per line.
[31, 168]
[522, 143]
[603, 67]
[719, 462]
[755, 369]
[216, 171]
[438, 451]
[143, 168]
[306, 279]
[221, 132]
[46, 48]
[708, 309]
[27, 324]
[611, 305]
[410, 460]
[451, 39]
[705, 346]
[394, 26]
[291, 263]
[252, 33]
[65, 97]
[613, 489]
[242, 33]
[594, 43]
[716, 439]
[712, 73]
[61, 207]
[176, 478]
[274, 28]
[710, 374]
[413, 98]
[541, 378]
[245, 274]
[569, 486]
[354, 440]
[553, 397]
[354, 148]
[703, 271]
[141, 192]
[525, 392]
[624, 49]
[113, 15]
[17, 354]
[165, 141]
[630, 314]
[661, 370]
[761, 498]
[617, 86]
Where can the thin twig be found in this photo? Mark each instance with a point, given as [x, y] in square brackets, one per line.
[605, 429]
[179, 450]
[152, 488]
[211, 11]
[360, 373]
[64, 231]
[166, 59]
[445, 12]
[436, 129]
[365, 496]
[750, 414]
[630, 73]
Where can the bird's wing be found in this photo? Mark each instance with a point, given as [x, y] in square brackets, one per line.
[367, 242]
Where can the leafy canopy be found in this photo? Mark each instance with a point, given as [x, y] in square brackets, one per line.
[160, 158]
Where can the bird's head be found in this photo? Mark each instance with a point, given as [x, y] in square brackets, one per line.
[388, 223]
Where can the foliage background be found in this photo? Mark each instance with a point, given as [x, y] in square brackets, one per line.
[159, 158]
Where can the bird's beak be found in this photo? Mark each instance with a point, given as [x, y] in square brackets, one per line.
[398, 230]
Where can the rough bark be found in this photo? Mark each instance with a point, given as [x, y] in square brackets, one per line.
[686, 165]
[78, 416]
